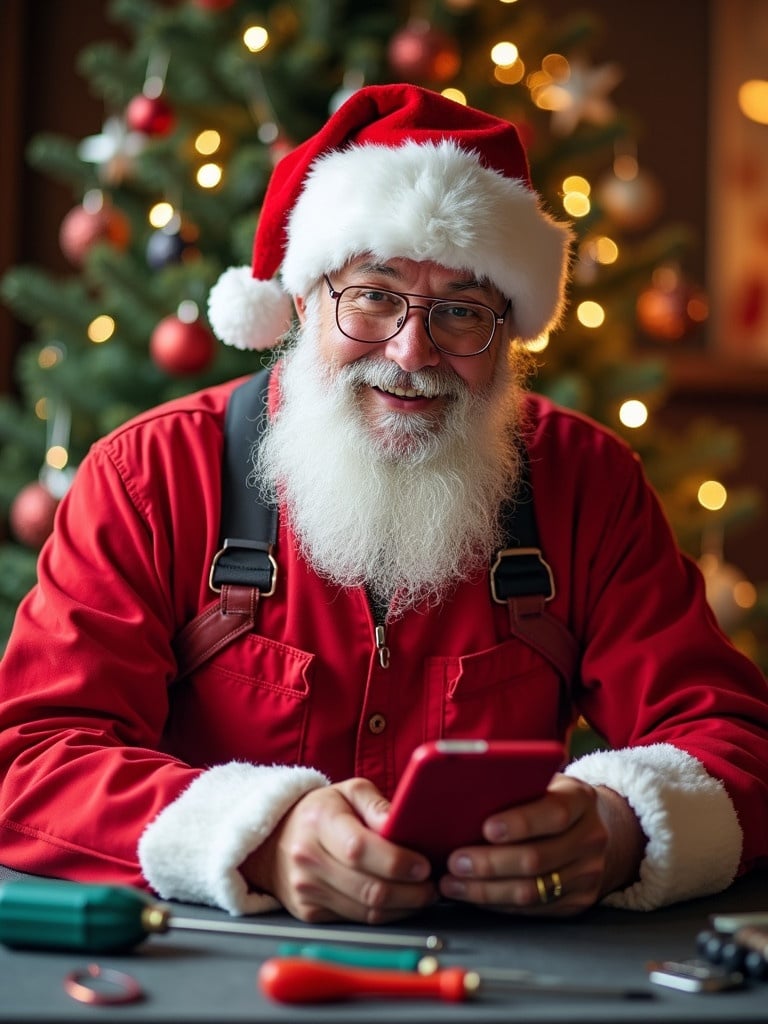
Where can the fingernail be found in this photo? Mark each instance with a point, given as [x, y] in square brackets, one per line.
[497, 832]
[461, 865]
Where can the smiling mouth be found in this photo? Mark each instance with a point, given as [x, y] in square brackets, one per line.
[404, 392]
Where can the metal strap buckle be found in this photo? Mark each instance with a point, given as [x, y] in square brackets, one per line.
[539, 575]
[230, 545]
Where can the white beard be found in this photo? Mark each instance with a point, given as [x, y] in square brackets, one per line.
[409, 511]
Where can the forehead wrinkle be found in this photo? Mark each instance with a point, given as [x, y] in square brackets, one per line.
[387, 270]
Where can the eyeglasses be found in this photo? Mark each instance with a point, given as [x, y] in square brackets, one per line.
[373, 315]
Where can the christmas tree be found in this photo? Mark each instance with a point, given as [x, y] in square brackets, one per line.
[199, 107]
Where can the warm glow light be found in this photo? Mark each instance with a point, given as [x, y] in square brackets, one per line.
[605, 250]
[511, 75]
[556, 66]
[537, 80]
[207, 142]
[49, 357]
[575, 183]
[456, 95]
[753, 100]
[256, 38]
[590, 314]
[538, 344]
[712, 495]
[41, 408]
[160, 215]
[209, 175]
[101, 329]
[577, 204]
[57, 457]
[552, 97]
[504, 54]
[744, 594]
[633, 413]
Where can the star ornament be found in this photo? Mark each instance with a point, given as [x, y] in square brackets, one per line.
[583, 96]
[114, 151]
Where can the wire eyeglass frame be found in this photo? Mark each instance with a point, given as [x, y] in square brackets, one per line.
[497, 318]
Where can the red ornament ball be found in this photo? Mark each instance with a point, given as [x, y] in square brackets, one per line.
[421, 51]
[151, 115]
[81, 229]
[182, 348]
[31, 515]
[213, 5]
[671, 306]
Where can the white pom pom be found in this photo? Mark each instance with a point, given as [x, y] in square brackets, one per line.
[246, 313]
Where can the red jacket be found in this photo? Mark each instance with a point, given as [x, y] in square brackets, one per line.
[97, 737]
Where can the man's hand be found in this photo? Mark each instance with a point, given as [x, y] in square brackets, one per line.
[325, 862]
[588, 837]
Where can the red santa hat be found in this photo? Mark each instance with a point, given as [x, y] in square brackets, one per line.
[398, 171]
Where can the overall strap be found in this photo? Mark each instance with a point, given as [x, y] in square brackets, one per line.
[243, 570]
[248, 531]
[523, 581]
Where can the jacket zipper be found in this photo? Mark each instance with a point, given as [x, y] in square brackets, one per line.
[379, 615]
[382, 650]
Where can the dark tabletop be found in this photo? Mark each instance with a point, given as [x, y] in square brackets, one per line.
[201, 977]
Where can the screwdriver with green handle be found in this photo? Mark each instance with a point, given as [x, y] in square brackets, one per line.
[56, 914]
[324, 972]
[359, 956]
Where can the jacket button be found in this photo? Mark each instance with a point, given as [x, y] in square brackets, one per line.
[377, 723]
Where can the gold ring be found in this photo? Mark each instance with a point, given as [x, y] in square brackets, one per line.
[548, 895]
[541, 885]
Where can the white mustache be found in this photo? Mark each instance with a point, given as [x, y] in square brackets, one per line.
[431, 382]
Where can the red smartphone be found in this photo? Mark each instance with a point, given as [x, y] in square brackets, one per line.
[450, 787]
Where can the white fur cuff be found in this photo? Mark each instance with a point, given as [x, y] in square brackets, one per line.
[694, 837]
[193, 848]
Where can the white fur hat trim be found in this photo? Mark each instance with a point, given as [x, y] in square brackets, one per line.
[430, 202]
[423, 201]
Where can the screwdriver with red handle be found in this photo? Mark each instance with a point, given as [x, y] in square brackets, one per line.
[296, 979]
[301, 980]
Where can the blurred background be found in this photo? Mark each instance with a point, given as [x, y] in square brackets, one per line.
[137, 137]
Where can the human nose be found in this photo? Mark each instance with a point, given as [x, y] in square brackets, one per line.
[412, 348]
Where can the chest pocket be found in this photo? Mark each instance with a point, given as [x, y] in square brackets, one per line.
[250, 702]
[508, 691]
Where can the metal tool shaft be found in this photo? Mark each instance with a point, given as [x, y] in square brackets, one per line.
[300, 933]
[499, 979]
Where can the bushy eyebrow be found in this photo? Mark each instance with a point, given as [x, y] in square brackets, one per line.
[385, 270]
